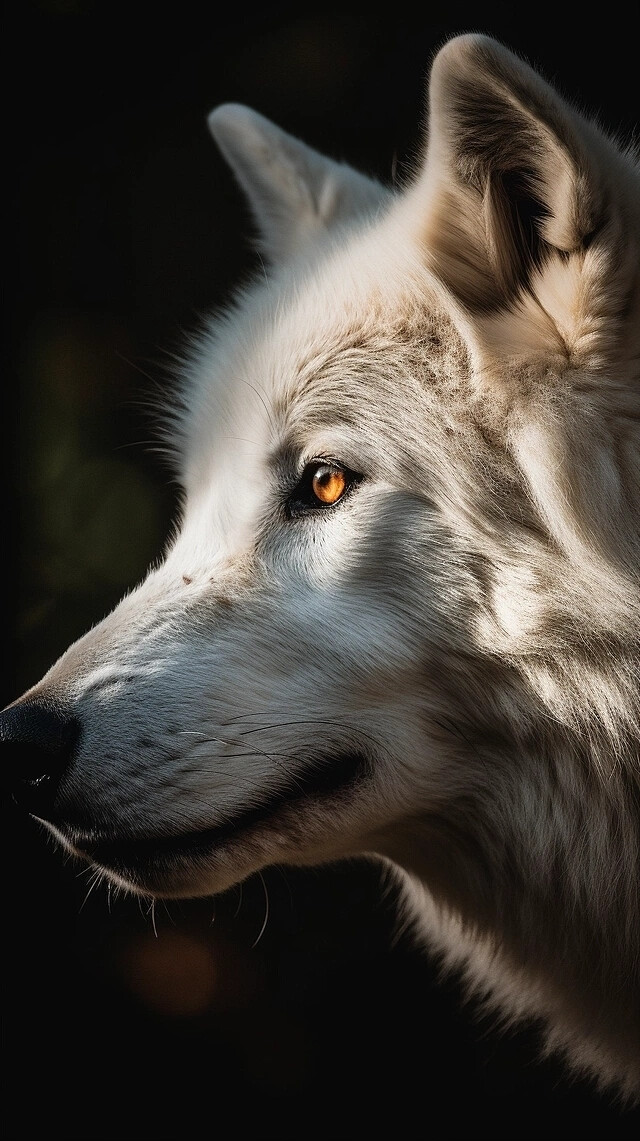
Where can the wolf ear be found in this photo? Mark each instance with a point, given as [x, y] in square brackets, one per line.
[294, 192]
[530, 217]
[508, 172]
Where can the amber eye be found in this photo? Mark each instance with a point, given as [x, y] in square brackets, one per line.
[328, 483]
[323, 484]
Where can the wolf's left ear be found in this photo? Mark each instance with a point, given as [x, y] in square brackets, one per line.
[295, 193]
[513, 176]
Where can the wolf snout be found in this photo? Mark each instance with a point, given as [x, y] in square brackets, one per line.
[39, 740]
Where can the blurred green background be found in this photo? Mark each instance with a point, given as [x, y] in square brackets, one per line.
[124, 227]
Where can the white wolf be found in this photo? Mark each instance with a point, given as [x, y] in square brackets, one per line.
[400, 615]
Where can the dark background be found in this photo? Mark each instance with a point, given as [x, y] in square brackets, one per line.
[123, 226]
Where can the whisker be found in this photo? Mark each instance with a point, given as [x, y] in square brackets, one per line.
[266, 912]
[152, 911]
[95, 880]
[270, 420]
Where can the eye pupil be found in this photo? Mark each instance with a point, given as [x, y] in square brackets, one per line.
[328, 483]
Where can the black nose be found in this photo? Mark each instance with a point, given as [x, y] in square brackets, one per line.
[38, 741]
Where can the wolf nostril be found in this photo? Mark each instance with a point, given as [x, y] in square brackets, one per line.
[39, 741]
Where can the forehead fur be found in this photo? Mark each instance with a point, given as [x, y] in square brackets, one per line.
[307, 348]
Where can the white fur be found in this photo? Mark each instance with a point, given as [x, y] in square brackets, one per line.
[465, 622]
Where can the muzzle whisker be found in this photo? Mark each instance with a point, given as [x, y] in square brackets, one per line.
[266, 912]
[96, 878]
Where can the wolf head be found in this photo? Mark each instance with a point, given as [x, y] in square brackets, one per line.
[399, 614]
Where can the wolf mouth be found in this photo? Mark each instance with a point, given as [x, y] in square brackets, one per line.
[132, 856]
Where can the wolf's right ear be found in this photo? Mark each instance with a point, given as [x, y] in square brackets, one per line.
[295, 193]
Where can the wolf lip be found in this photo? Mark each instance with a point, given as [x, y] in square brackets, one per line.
[135, 853]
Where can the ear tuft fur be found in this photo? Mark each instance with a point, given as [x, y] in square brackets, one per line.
[508, 172]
